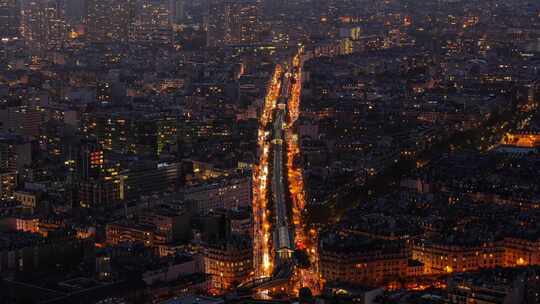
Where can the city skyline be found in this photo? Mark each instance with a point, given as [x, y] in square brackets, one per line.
[269, 151]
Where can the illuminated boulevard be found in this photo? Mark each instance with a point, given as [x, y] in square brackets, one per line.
[285, 257]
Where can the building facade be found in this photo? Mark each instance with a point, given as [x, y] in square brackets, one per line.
[10, 20]
[229, 264]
